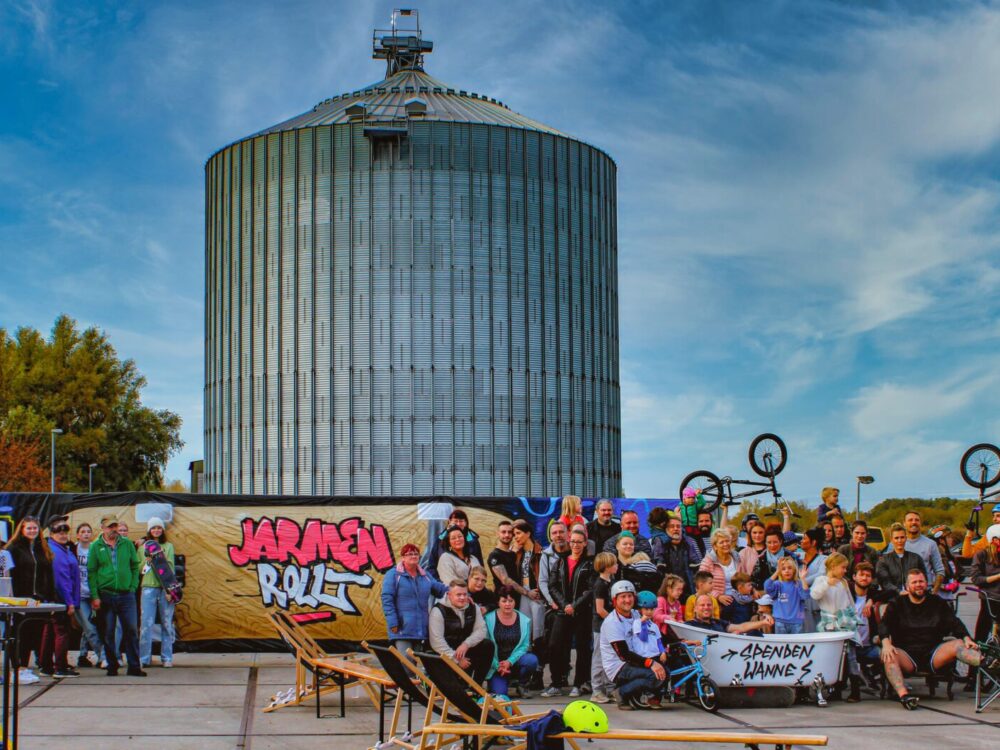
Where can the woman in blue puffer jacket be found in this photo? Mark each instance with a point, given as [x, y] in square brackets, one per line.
[406, 593]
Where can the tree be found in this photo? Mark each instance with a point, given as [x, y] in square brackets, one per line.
[75, 381]
[21, 466]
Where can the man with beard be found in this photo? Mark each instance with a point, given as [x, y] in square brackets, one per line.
[680, 554]
[502, 561]
[705, 525]
[913, 631]
[630, 522]
[604, 526]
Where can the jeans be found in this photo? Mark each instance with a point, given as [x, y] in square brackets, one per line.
[524, 667]
[155, 598]
[634, 681]
[402, 644]
[121, 608]
[55, 644]
[89, 639]
[787, 628]
[598, 679]
[565, 631]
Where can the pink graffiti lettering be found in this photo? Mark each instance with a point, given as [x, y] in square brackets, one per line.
[349, 543]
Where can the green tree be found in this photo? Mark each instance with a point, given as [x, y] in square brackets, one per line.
[75, 381]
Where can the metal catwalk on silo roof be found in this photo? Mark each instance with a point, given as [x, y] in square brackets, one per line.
[411, 289]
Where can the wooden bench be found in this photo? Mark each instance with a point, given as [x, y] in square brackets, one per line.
[749, 739]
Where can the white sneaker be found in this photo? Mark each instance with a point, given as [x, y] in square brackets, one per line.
[575, 692]
[167, 664]
[26, 677]
[600, 697]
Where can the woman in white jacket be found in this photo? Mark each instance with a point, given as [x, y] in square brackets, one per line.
[837, 614]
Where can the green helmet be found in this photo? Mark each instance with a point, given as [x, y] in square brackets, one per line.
[584, 716]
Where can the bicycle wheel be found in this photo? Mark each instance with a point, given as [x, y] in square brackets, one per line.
[981, 466]
[707, 485]
[708, 694]
[768, 454]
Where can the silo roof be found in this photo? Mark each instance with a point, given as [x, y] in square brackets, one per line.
[387, 99]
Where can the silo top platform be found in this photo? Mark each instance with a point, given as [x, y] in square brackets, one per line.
[387, 100]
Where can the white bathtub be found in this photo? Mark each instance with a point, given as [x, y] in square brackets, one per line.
[789, 660]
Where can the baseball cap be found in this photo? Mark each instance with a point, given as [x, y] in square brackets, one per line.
[789, 538]
[109, 520]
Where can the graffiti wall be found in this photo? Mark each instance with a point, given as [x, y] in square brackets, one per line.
[320, 559]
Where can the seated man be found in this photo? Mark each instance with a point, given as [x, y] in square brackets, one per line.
[913, 631]
[703, 618]
[457, 629]
[632, 674]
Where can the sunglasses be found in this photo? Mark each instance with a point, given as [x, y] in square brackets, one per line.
[60, 529]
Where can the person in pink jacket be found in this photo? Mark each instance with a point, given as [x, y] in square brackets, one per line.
[722, 564]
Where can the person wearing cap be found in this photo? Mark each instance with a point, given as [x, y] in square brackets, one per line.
[631, 673]
[154, 599]
[407, 590]
[113, 577]
[691, 504]
[66, 580]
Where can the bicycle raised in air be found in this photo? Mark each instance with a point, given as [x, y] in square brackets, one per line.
[768, 457]
[980, 468]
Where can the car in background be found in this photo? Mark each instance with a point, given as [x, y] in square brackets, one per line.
[876, 538]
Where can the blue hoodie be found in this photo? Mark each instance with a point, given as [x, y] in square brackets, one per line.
[406, 601]
[66, 574]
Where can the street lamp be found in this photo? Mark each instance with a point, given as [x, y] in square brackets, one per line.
[857, 507]
[90, 482]
[55, 432]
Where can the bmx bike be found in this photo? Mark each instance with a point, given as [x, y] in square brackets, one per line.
[705, 689]
[768, 457]
[980, 468]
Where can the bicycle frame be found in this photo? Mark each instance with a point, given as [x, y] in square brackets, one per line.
[766, 487]
[694, 670]
[973, 521]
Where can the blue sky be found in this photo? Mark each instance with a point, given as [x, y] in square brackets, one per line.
[808, 201]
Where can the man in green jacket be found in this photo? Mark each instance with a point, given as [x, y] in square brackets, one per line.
[113, 575]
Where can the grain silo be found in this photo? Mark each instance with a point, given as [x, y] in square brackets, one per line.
[411, 290]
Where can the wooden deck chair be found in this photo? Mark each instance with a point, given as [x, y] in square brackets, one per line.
[454, 688]
[752, 740]
[413, 687]
[318, 673]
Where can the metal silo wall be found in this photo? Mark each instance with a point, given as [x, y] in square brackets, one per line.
[429, 315]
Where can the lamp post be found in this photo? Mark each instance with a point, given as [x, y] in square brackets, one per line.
[90, 477]
[55, 432]
[857, 507]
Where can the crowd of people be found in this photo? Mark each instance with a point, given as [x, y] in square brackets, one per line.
[104, 583]
[594, 605]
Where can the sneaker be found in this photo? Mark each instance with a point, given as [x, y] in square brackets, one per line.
[552, 692]
[626, 705]
[104, 663]
[167, 664]
[575, 692]
[68, 672]
[654, 703]
[47, 672]
[600, 697]
[639, 702]
[136, 673]
[26, 677]
[586, 689]
[910, 702]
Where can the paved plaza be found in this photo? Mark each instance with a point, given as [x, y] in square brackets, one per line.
[212, 701]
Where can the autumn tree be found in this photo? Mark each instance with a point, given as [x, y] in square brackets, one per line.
[21, 466]
[75, 381]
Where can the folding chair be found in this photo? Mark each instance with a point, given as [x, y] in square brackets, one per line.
[314, 667]
[413, 687]
[454, 688]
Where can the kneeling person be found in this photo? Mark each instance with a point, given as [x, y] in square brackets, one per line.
[631, 673]
[457, 629]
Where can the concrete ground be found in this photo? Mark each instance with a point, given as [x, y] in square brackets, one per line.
[211, 701]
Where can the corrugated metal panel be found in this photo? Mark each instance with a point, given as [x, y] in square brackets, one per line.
[482, 257]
